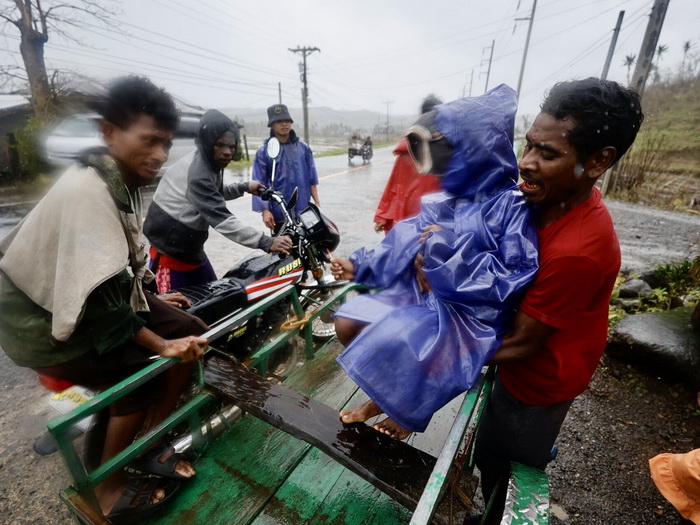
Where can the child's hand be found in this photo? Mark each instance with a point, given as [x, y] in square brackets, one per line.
[342, 269]
[423, 284]
[428, 230]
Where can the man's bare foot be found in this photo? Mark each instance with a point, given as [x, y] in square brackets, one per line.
[391, 428]
[161, 460]
[362, 413]
[183, 467]
[109, 492]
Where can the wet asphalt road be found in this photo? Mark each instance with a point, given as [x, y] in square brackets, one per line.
[29, 484]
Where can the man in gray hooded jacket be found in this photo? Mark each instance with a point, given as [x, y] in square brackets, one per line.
[190, 198]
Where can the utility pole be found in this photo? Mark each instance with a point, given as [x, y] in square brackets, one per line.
[646, 53]
[488, 71]
[527, 45]
[606, 67]
[387, 120]
[279, 90]
[613, 43]
[305, 51]
[471, 82]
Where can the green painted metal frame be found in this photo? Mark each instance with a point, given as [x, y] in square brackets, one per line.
[530, 489]
[83, 482]
[459, 440]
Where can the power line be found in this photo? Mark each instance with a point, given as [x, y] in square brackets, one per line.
[159, 67]
[187, 51]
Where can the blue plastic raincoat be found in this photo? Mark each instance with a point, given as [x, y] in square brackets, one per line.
[423, 349]
[295, 169]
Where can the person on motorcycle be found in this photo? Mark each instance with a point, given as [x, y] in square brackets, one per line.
[294, 168]
[412, 351]
[191, 197]
[405, 187]
[72, 298]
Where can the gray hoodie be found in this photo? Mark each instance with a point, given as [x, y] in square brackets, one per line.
[191, 197]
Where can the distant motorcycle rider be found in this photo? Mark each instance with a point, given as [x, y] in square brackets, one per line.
[295, 168]
[190, 198]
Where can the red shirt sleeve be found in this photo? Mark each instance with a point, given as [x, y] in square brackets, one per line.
[562, 291]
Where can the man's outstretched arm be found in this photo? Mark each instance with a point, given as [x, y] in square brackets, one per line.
[526, 338]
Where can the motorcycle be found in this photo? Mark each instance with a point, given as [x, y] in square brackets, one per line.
[314, 237]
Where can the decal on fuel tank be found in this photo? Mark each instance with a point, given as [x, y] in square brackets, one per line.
[290, 267]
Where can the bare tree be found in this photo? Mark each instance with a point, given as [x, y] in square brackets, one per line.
[35, 20]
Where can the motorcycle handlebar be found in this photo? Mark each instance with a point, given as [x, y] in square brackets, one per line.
[269, 194]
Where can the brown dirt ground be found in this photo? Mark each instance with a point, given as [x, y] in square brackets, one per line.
[601, 475]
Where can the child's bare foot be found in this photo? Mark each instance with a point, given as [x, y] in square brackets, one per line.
[362, 413]
[391, 428]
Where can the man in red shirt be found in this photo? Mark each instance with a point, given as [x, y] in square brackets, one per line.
[560, 329]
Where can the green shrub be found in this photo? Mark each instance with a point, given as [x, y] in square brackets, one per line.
[31, 162]
[680, 287]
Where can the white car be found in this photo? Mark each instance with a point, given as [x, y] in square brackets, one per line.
[79, 132]
[73, 135]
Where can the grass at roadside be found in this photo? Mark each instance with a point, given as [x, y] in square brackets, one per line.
[241, 163]
[674, 110]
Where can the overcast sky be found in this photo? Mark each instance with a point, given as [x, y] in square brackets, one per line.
[374, 54]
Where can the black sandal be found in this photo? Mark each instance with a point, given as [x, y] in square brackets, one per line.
[134, 504]
[149, 463]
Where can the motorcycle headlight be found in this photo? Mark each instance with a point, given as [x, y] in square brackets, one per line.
[309, 218]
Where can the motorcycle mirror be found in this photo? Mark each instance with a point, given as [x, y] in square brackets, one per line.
[273, 151]
[273, 148]
[293, 199]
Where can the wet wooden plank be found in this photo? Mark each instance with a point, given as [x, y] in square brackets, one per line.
[241, 472]
[81, 508]
[320, 490]
[392, 466]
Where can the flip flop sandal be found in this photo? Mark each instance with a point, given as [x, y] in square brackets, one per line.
[134, 504]
[149, 464]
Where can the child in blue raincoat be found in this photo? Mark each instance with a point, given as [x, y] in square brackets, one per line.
[414, 347]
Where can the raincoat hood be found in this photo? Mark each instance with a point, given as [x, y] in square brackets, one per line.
[480, 129]
[212, 125]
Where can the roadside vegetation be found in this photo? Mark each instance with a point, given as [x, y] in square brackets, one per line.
[675, 285]
[662, 169]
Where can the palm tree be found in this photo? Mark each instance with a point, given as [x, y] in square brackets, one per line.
[687, 46]
[629, 62]
[660, 51]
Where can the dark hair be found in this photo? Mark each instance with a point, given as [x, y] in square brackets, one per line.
[429, 103]
[605, 114]
[130, 96]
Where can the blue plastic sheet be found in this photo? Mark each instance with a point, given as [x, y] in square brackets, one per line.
[423, 349]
